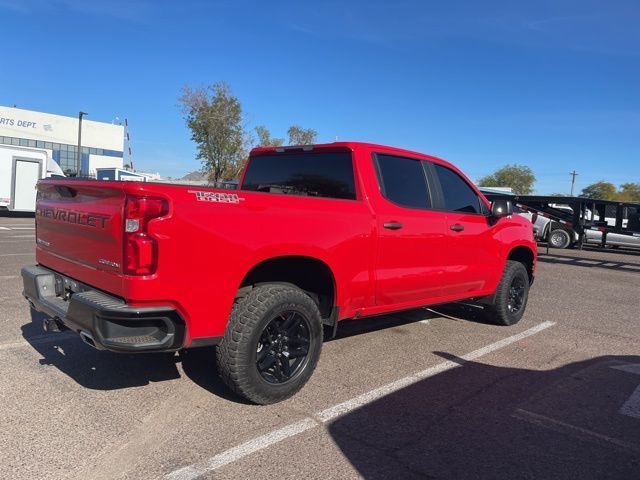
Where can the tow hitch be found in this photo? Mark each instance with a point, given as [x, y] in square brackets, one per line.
[53, 325]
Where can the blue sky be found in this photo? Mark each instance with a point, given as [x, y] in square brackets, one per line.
[554, 85]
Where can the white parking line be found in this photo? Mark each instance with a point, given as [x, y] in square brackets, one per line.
[632, 406]
[243, 450]
[16, 254]
[263, 441]
[579, 432]
[442, 314]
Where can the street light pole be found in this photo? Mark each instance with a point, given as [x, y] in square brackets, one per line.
[573, 180]
[79, 152]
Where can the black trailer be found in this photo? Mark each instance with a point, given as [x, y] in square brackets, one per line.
[581, 217]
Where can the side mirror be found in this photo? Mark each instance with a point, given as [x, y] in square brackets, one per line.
[501, 208]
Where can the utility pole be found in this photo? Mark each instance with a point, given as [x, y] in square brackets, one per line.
[573, 174]
[79, 152]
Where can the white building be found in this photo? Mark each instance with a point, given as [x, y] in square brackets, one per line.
[35, 145]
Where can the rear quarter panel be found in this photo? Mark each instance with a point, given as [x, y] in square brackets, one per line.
[207, 247]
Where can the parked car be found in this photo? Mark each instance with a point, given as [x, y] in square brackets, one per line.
[313, 236]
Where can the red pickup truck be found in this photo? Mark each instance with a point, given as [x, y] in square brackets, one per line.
[312, 236]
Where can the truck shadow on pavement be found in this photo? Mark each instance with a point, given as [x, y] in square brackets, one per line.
[609, 264]
[199, 364]
[480, 421]
[99, 370]
[103, 370]
[464, 312]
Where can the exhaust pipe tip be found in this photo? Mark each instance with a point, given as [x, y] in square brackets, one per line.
[88, 339]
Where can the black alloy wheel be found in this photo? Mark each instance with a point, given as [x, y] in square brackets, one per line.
[515, 298]
[283, 347]
[272, 343]
[507, 305]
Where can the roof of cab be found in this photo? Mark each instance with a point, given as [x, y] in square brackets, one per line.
[351, 146]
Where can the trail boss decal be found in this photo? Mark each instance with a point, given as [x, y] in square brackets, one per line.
[216, 197]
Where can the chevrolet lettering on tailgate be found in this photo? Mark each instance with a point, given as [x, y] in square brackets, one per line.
[71, 216]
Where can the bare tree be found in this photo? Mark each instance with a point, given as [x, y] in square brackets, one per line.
[214, 116]
[301, 136]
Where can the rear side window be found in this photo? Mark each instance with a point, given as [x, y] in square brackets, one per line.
[458, 195]
[328, 174]
[403, 181]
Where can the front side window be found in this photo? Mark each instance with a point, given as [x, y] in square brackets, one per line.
[458, 195]
[312, 174]
[403, 181]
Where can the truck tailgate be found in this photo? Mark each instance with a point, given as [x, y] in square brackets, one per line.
[80, 223]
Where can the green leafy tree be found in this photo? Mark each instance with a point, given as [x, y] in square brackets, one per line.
[214, 116]
[601, 190]
[301, 136]
[519, 177]
[265, 139]
[629, 192]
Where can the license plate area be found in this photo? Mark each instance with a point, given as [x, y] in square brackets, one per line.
[66, 287]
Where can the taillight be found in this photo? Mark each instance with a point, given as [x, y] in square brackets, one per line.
[140, 248]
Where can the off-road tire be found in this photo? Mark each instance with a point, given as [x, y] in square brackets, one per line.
[237, 355]
[500, 310]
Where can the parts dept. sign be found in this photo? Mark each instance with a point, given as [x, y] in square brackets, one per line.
[17, 122]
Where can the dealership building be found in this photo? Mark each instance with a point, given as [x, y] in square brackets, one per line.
[56, 137]
[35, 145]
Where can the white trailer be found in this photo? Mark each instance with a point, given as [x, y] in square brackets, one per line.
[20, 170]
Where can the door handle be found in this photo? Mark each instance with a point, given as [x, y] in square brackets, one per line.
[393, 225]
[456, 227]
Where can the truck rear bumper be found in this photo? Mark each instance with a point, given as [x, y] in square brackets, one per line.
[103, 321]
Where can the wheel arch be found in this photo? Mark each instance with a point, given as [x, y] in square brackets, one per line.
[524, 255]
[308, 273]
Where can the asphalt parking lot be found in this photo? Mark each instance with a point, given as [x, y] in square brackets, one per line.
[422, 394]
